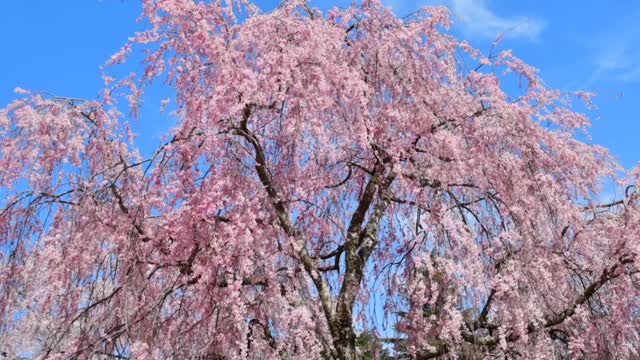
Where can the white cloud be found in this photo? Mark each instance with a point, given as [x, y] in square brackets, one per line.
[612, 50]
[618, 58]
[477, 19]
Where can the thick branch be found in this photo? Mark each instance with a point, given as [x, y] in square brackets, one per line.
[360, 243]
[607, 275]
[283, 215]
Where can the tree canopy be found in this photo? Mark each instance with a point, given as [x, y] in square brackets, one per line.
[338, 185]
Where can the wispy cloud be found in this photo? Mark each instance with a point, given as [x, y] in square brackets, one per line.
[617, 57]
[477, 19]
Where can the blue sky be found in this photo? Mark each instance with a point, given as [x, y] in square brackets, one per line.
[59, 46]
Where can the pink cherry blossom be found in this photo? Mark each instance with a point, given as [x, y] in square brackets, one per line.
[335, 186]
